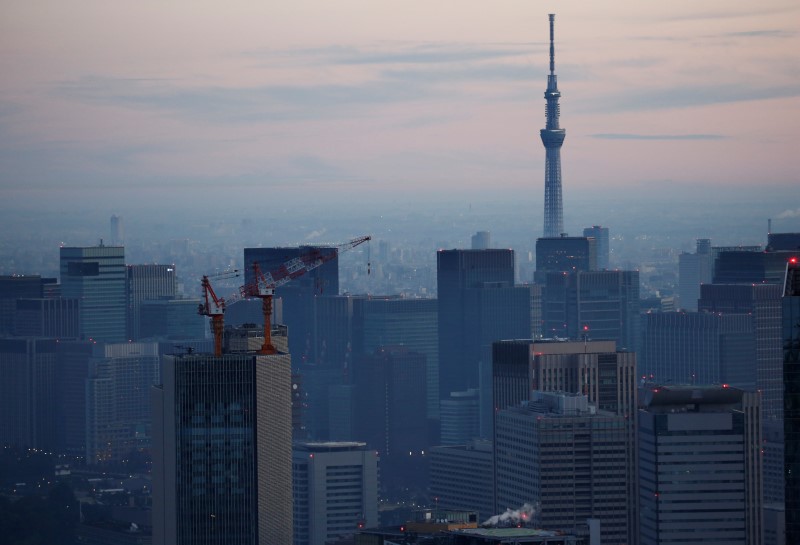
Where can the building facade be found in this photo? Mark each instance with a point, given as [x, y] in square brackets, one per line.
[791, 398]
[146, 283]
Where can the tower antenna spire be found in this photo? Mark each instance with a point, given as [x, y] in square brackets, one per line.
[552, 47]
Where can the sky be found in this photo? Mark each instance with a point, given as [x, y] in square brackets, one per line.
[209, 104]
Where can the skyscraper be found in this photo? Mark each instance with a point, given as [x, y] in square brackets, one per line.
[693, 270]
[600, 234]
[222, 437]
[146, 283]
[96, 277]
[791, 398]
[552, 138]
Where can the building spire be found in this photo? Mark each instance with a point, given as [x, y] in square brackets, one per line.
[552, 48]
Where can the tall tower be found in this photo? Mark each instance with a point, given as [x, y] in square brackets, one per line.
[552, 138]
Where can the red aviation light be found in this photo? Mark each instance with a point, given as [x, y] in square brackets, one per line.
[793, 260]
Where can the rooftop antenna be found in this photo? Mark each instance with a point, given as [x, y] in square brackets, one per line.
[552, 48]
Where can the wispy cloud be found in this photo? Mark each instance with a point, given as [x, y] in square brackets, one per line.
[629, 136]
[789, 214]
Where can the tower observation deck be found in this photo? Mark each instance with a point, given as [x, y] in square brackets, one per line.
[552, 138]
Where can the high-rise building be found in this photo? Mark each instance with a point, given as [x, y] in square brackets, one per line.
[481, 240]
[171, 319]
[55, 317]
[700, 466]
[28, 393]
[791, 398]
[335, 490]
[298, 295]
[747, 267]
[118, 408]
[462, 477]
[592, 368]
[96, 276]
[567, 458]
[222, 449]
[699, 348]
[552, 138]
[564, 254]
[693, 270]
[601, 305]
[478, 304]
[117, 231]
[18, 287]
[460, 418]
[600, 235]
[783, 242]
[146, 283]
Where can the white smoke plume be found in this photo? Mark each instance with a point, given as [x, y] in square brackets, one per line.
[789, 214]
[522, 515]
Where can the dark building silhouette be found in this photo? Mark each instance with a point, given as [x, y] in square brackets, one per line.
[478, 304]
[742, 267]
[600, 235]
[564, 254]
[481, 240]
[47, 317]
[18, 287]
[171, 318]
[790, 334]
[298, 295]
[693, 270]
[789, 242]
[222, 449]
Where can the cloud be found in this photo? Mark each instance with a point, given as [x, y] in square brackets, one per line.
[789, 214]
[629, 136]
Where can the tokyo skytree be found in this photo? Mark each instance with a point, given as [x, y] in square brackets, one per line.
[552, 138]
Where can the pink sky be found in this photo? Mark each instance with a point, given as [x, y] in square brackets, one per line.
[318, 96]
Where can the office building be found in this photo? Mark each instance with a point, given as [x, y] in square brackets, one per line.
[601, 305]
[462, 477]
[481, 240]
[569, 459]
[693, 270]
[747, 267]
[28, 393]
[552, 138]
[222, 449]
[562, 254]
[298, 295]
[699, 348]
[47, 317]
[478, 304]
[118, 408]
[96, 276]
[18, 287]
[117, 231]
[172, 319]
[600, 235]
[790, 333]
[460, 418]
[335, 488]
[788, 242]
[146, 283]
[73, 358]
[700, 466]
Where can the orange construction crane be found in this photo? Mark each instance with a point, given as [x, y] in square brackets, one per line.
[263, 284]
[214, 307]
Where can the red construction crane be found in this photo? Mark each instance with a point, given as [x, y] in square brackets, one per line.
[264, 284]
[214, 307]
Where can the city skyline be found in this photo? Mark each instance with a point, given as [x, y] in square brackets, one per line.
[164, 103]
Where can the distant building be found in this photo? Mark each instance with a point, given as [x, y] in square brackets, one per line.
[570, 460]
[462, 477]
[298, 295]
[679, 426]
[460, 418]
[146, 283]
[699, 348]
[335, 490]
[481, 240]
[222, 449]
[117, 231]
[96, 276]
[564, 254]
[48, 317]
[747, 267]
[600, 235]
[118, 408]
[693, 270]
[172, 319]
[789, 242]
[18, 287]
[790, 334]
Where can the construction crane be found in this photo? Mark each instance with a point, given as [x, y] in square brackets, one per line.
[263, 287]
[214, 307]
[263, 284]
